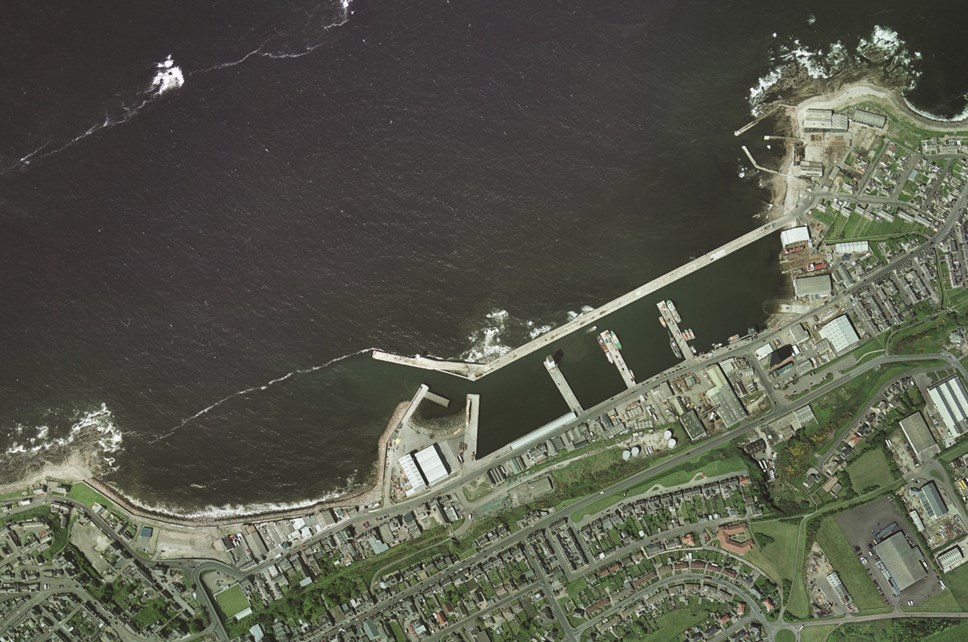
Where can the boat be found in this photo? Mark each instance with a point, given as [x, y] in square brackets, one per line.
[735, 337]
[717, 346]
[615, 341]
[675, 348]
[693, 348]
[672, 310]
[662, 322]
[601, 342]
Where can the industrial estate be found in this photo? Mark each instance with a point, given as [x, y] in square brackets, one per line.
[806, 481]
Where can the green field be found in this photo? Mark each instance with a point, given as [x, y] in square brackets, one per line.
[671, 625]
[869, 470]
[786, 635]
[231, 601]
[816, 633]
[926, 336]
[845, 562]
[958, 633]
[88, 496]
[776, 549]
[856, 227]
[900, 630]
[957, 583]
[943, 602]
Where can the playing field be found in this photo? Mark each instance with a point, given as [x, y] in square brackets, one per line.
[232, 600]
[870, 470]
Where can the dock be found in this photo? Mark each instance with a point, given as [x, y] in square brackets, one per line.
[613, 348]
[750, 125]
[475, 371]
[471, 417]
[562, 384]
[671, 318]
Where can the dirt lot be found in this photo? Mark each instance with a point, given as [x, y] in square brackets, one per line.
[861, 524]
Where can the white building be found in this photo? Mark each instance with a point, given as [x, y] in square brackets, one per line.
[950, 401]
[432, 464]
[795, 235]
[840, 333]
[412, 473]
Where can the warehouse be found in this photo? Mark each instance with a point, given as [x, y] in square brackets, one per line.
[432, 464]
[852, 247]
[412, 473]
[903, 563]
[825, 120]
[840, 333]
[950, 401]
[919, 437]
[934, 506]
[812, 287]
[869, 118]
[794, 235]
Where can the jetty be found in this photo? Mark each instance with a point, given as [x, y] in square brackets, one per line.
[562, 384]
[613, 349]
[670, 319]
[472, 414]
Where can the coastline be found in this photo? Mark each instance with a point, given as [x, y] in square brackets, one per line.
[784, 195]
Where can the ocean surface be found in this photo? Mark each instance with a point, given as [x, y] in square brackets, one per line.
[210, 213]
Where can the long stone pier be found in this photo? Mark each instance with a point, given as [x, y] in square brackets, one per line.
[562, 384]
[472, 413]
[474, 371]
[619, 362]
[672, 327]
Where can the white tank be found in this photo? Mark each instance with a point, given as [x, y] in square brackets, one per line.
[667, 435]
[625, 455]
[635, 451]
[672, 443]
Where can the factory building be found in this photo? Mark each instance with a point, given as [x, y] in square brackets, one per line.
[794, 236]
[950, 558]
[869, 118]
[424, 468]
[903, 563]
[852, 247]
[930, 497]
[950, 401]
[840, 333]
[825, 120]
[919, 437]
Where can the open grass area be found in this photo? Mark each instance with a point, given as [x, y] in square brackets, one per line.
[943, 602]
[869, 471]
[88, 496]
[957, 633]
[712, 464]
[776, 549]
[845, 562]
[925, 336]
[900, 630]
[231, 601]
[857, 227]
[786, 635]
[669, 626]
[957, 583]
[817, 633]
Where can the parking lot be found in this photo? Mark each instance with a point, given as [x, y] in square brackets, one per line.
[860, 525]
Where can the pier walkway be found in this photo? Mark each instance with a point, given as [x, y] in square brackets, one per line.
[474, 371]
[471, 418]
[620, 364]
[562, 384]
[672, 326]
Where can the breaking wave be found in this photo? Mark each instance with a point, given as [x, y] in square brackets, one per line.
[252, 389]
[501, 333]
[228, 511]
[882, 46]
[167, 78]
[94, 429]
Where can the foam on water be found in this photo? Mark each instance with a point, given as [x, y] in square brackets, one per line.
[168, 78]
[97, 425]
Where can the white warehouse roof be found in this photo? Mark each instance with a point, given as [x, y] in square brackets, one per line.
[795, 235]
[412, 473]
[951, 402]
[431, 465]
[852, 247]
[840, 333]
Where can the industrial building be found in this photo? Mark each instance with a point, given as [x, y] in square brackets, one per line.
[950, 401]
[950, 558]
[930, 497]
[903, 564]
[423, 468]
[869, 118]
[919, 437]
[794, 235]
[852, 247]
[825, 120]
[812, 287]
[432, 464]
[840, 333]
